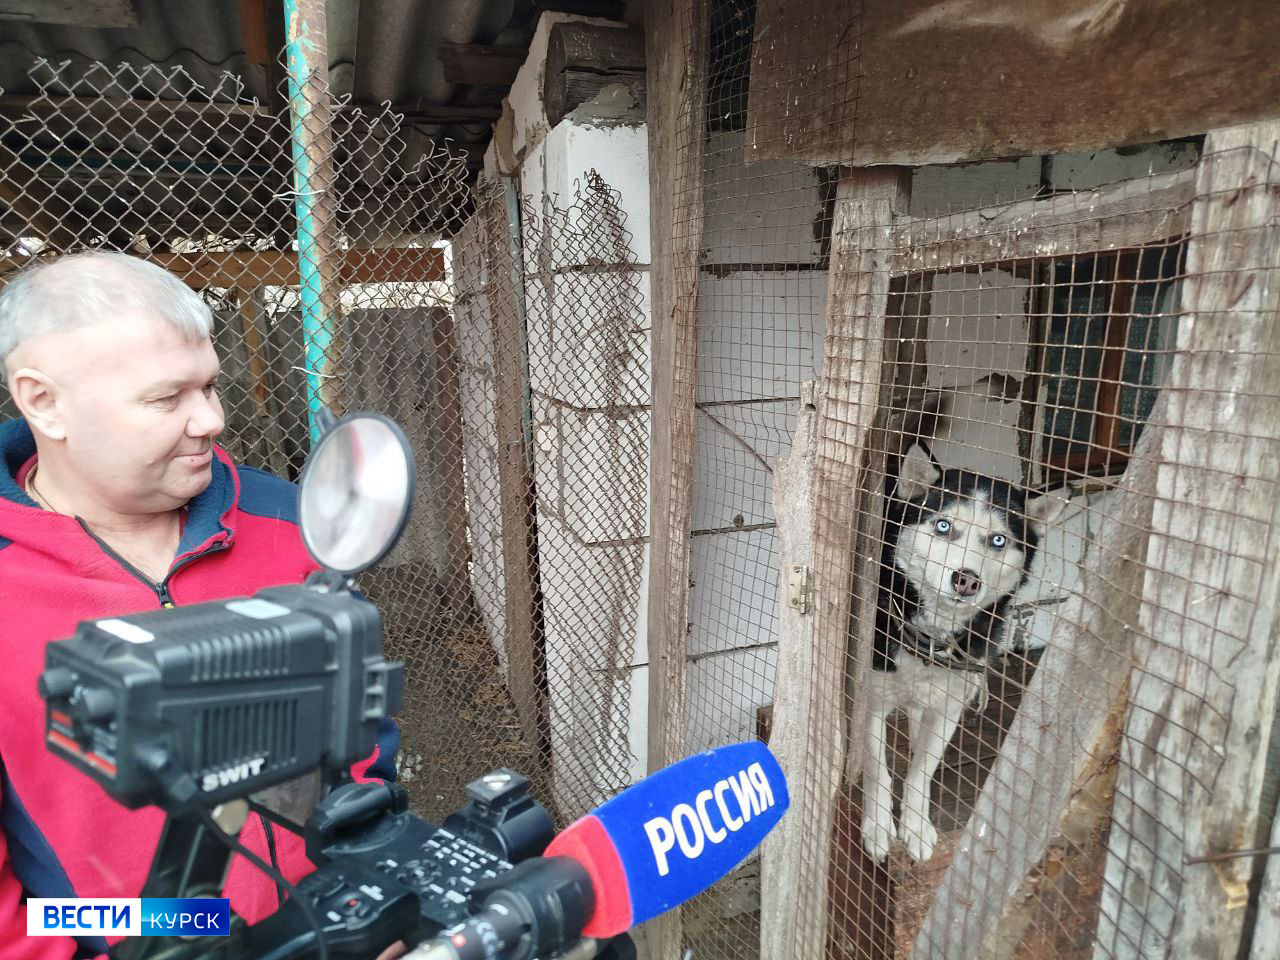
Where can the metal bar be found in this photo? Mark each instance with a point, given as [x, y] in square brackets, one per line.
[307, 59]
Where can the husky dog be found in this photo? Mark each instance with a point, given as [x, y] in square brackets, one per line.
[957, 545]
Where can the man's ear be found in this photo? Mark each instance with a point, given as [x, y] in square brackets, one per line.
[916, 475]
[36, 397]
[1044, 511]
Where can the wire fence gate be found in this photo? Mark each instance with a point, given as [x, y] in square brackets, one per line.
[629, 546]
[1089, 340]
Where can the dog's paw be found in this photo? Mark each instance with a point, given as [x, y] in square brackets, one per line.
[918, 835]
[878, 835]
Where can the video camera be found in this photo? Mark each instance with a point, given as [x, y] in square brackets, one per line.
[196, 708]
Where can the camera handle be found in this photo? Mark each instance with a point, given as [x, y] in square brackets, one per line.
[190, 861]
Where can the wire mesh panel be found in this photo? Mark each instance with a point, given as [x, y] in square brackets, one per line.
[1031, 450]
[555, 420]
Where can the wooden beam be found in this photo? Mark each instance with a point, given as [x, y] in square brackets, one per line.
[279, 268]
[583, 59]
[479, 64]
[254, 331]
[813, 879]
[917, 79]
[784, 932]
[676, 50]
[103, 14]
[1130, 214]
[1203, 703]
[263, 33]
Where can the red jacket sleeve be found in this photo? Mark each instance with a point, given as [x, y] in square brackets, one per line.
[14, 942]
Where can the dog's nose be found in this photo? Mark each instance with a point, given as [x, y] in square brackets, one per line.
[965, 582]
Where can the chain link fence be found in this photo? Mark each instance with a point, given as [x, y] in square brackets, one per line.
[507, 343]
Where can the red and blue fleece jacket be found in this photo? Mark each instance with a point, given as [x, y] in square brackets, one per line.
[61, 835]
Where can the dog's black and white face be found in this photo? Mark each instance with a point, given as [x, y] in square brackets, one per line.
[964, 541]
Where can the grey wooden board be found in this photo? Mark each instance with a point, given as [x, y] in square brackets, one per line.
[916, 82]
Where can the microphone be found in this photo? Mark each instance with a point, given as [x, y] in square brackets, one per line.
[675, 833]
[657, 844]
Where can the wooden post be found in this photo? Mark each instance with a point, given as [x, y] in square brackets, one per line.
[857, 375]
[1203, 700]
[447, 410]
[675, 43]
[526, 664]
[253, 329]
[810, 868]
[794, 483]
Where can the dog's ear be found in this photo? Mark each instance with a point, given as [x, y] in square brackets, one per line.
[1044, 511]
[916, 475]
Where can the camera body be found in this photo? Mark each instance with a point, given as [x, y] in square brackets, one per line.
[215, 701]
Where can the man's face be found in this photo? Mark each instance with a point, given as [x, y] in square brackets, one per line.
[141, 411]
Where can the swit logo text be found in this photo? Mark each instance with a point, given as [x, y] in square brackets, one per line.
[125, 917]
[224, 778]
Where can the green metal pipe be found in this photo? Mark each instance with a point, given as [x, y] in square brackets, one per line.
[302, 50]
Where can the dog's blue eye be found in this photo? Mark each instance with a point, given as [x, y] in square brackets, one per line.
[942, 526]
[998, 541]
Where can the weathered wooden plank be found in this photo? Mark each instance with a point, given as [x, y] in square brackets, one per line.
[675, 45]
[805, 70]
[583, 59]
[1266, 929]
[262, 30]
[846, 535]
[446, 417]
[914, 82]
[526, 664]
[253, 328]
[481, 64]
[1203, 697]
[1058, 736]
[782, 934]
[1124, 215]
[113, 14]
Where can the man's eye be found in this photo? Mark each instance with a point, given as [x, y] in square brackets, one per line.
[942, 526]
[210, 388]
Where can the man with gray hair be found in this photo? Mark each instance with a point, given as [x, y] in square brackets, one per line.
[114, 498]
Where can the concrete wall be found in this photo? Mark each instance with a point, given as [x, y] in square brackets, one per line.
[587, 302]
[762, 310]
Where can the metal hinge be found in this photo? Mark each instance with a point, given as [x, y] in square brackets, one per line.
[800, 589]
